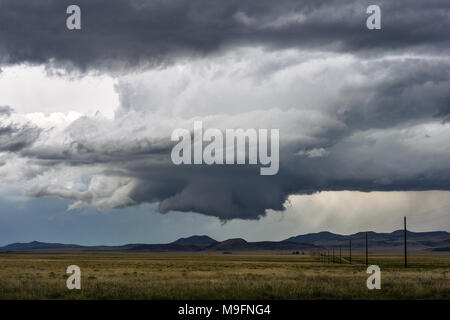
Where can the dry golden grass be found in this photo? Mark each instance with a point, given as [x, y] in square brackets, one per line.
[208, 276]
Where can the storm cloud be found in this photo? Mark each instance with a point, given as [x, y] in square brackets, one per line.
[370, 131]
[122, 35]
[357, 109]
[14, 138]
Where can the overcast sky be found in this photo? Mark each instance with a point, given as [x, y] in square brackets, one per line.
[86, 118]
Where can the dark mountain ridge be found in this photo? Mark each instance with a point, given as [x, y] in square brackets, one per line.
[426, 242]
[378, 242]
[196, 240]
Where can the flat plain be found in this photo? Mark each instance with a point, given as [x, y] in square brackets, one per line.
[221, 276]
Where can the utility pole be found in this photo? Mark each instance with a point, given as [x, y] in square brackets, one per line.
[340, 255]
[333, 255]
[406, 255]
[367, 252]
[350, 244]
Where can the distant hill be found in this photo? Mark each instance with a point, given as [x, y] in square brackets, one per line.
[36, 245]
[444, 249]
[378, 242]
[425, 242]
[230, 244]
[316, 237]
[196, 241]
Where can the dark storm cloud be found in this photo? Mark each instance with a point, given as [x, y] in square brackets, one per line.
[14, 138]
[230, 192]
[363, 138]
[226, 192]
[359, 154]
[411, 90]
[125, 34]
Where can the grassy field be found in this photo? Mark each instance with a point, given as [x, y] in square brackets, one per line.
[208, 276]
